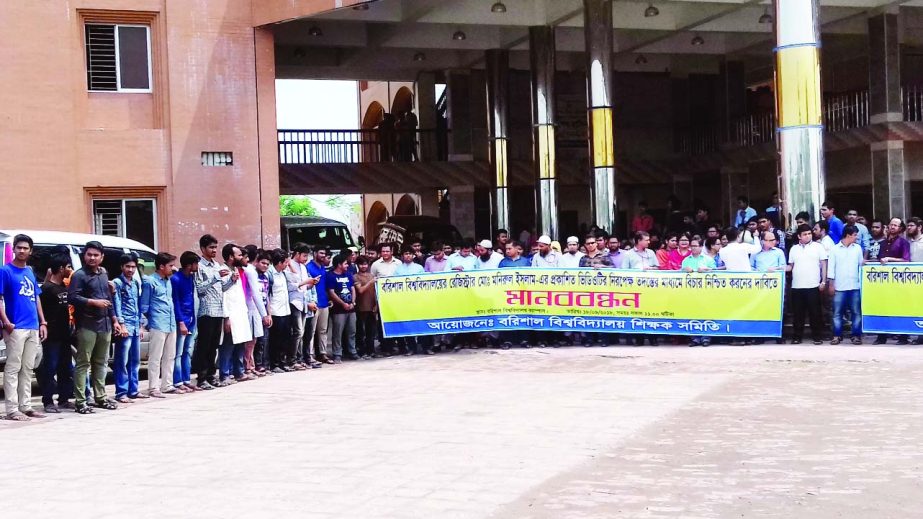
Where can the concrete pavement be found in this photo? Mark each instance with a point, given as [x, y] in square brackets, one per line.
[768, 431]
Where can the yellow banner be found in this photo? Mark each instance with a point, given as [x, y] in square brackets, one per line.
[607, 300]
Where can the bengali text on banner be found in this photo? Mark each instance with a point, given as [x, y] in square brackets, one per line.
[739, 304]
[892, 298]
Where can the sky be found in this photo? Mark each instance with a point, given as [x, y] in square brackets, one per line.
[322, 105]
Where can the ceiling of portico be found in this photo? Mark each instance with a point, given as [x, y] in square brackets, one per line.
[381, 42]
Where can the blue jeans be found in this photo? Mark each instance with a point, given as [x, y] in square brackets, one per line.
[230, 358]
[842, 301]
[127, 363]
[182, 371]
[56, 371]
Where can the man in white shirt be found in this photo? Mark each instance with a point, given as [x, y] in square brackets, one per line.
[487, 257]
[807, 261]
[915, 237]
[546, 258]
[844, 269]
[736, 255]
[640, 257]
[570, 259]
[463, 259]
[383, 267]
[822, 236]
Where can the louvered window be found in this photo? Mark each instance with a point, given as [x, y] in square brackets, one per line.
[118, 58]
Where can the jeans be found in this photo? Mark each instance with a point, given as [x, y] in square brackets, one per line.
[343, 322]
[231, 358]
[126, 365]
[806, 301]
[182, 366]
[206, 347]
[56, 371]
[843, 301]
[92, 354]
[21, 349]
[302, 337]
[366, 328]
[281, 344]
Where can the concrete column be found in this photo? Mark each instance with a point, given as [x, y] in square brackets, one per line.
[458, 98]
[264, 43]
[598, 33]
[542, 59]
[498, 67]
[463, 209]
[890, 186]
[799, 107]
[426, 114]
[429, 205]
[733, 96]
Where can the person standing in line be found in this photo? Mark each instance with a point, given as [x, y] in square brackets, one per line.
[764, 224]
[157, 308]
[256, 308]
[320, 329]
[616, 256]
[894, 249]
[744, 212]
[640, 257]
[770, 258]
[713, 251]
[865, 238]
[24, 329]
[96, 322]
[514, 259]
[182, 283]
[915, 238]
[341, 291]
[281, 344]
[264, 283]
[461, 260]
[437, 261]
[680, 253]
[501, 238]
[410, 345]
[570, 259]
[487, 257]
[384, 267]
[237, 324]
[643, 221]
[546, 258]
[807, 261]
[596, 257]
[844, 269]
[876, 238]
[822, 236]
[736, 254]
[367, 306]
[127, 307]
[56, 372]
[697, 262]
[834, 224]
[418, 256]
[302, 296]
[663, 253]
[211, 281]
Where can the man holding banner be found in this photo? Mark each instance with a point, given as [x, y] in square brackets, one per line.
[894, 249]
[807, 261]
[843, 272]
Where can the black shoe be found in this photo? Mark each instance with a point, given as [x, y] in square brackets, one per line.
[796, 341]
[903, 341]
[881, 340]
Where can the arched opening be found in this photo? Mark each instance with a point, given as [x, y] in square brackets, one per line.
[406, 205]
[403, 102]
[373, 115]
[378, 213]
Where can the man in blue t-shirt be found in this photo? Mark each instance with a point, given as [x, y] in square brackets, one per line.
[24, 329]
[318, 267]
[341, 291]
[514, 259]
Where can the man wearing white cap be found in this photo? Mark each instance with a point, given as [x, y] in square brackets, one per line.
[570, 259]
[487, 257]
[546, 258]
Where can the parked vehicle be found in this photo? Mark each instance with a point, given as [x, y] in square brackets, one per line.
[316, 231]
[47, 243]
[426, 229]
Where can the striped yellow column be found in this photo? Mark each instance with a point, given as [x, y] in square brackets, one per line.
[799, 107]
[542, 61]
[498, 64]
[597, 28]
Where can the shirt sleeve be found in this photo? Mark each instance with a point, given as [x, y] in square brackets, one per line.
[253, 280]
[177, 300]
[75, 290]
[145, 302]
[117, 301]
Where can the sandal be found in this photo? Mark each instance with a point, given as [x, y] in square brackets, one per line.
[16, 416]
[33, 414]
[834, 341]
[123, 399]
[51, 408]
[109, 405]
[83, 409]
[139, 395]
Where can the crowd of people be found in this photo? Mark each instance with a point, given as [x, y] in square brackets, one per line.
[218, 317]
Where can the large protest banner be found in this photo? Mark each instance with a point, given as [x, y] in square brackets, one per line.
[739, 304]
[892, 298]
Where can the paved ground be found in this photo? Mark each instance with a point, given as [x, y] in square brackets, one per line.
[771, 431]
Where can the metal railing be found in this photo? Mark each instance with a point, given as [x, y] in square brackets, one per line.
[912, 102]
[351, 146]
[846, 111]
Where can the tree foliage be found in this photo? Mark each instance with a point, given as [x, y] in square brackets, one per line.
[295, 205]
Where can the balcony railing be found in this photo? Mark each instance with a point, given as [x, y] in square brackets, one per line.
[842, 112]
[354, 146]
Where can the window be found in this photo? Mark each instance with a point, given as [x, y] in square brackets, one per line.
[217, 158]
[131, 218]
[118, 58]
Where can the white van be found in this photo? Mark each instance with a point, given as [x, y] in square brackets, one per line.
[47, 243]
